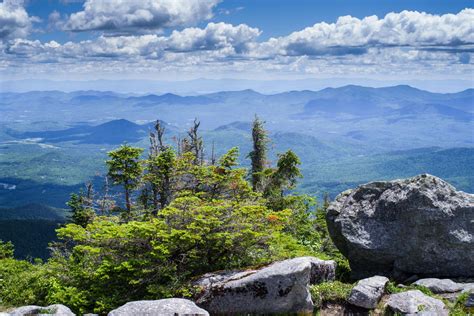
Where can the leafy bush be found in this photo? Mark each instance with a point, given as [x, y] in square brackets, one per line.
[113, 262]
[22, 283]
[6, 249]
[334, 292]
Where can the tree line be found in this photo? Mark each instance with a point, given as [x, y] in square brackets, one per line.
[166, 171]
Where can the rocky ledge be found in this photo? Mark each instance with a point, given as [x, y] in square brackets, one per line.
[282, 287]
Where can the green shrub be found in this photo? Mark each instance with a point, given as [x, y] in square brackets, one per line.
[335, 292]
[22, 283]
[457, 308]
[6, 249]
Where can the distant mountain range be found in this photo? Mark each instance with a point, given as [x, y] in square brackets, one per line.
[204, 85]
[395, 117]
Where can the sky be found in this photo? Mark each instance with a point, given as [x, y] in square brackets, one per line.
[242, 39]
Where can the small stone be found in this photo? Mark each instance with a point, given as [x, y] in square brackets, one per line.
[467, 287]
[367, 292]
[439, 285]
[414, 302]
[470, 301]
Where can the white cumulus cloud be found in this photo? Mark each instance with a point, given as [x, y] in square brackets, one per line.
[214, 36]
[129, 16]
[14, 20]
[350, 35]
[229, 39]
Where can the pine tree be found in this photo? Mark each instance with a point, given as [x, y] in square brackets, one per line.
[258, 155]
[281, 179]
[125, 169]
[6, 249]
[160, 171]
[81, 209]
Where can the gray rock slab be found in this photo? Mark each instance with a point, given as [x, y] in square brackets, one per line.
[55, 310]
[439, 285]
[164, 307]
[367, 292]
[282, 287]
[414, 302]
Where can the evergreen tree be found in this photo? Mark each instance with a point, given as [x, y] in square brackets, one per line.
[258, 155]
[125, 169]
[160, 173]
[281, 179]
[81, 212]
[287, 171]
[6, 249]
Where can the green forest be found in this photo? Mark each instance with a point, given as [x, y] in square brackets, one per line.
[179, 214]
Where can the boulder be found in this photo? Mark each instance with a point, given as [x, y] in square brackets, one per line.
[470, 301]
[164, 307]
[367, 292]
[420, 225]
[467, 287]
[282, 287]
[55, 310]
[438, 286]
[416, 303]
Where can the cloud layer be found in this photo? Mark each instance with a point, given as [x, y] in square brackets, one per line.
[408, 42]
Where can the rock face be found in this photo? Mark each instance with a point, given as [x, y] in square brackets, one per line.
[367, 292]
[55, 310]
[420, 225]
[282, 287]
[416, 303]
[165, 307]
[439, 285]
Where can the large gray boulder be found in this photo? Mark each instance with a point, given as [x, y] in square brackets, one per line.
[54, 310]
[367, 292]
[420, 225]
[282, 287]
[416, 303]
[164, 307]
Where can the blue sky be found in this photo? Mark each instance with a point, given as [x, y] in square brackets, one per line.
[183, 39]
